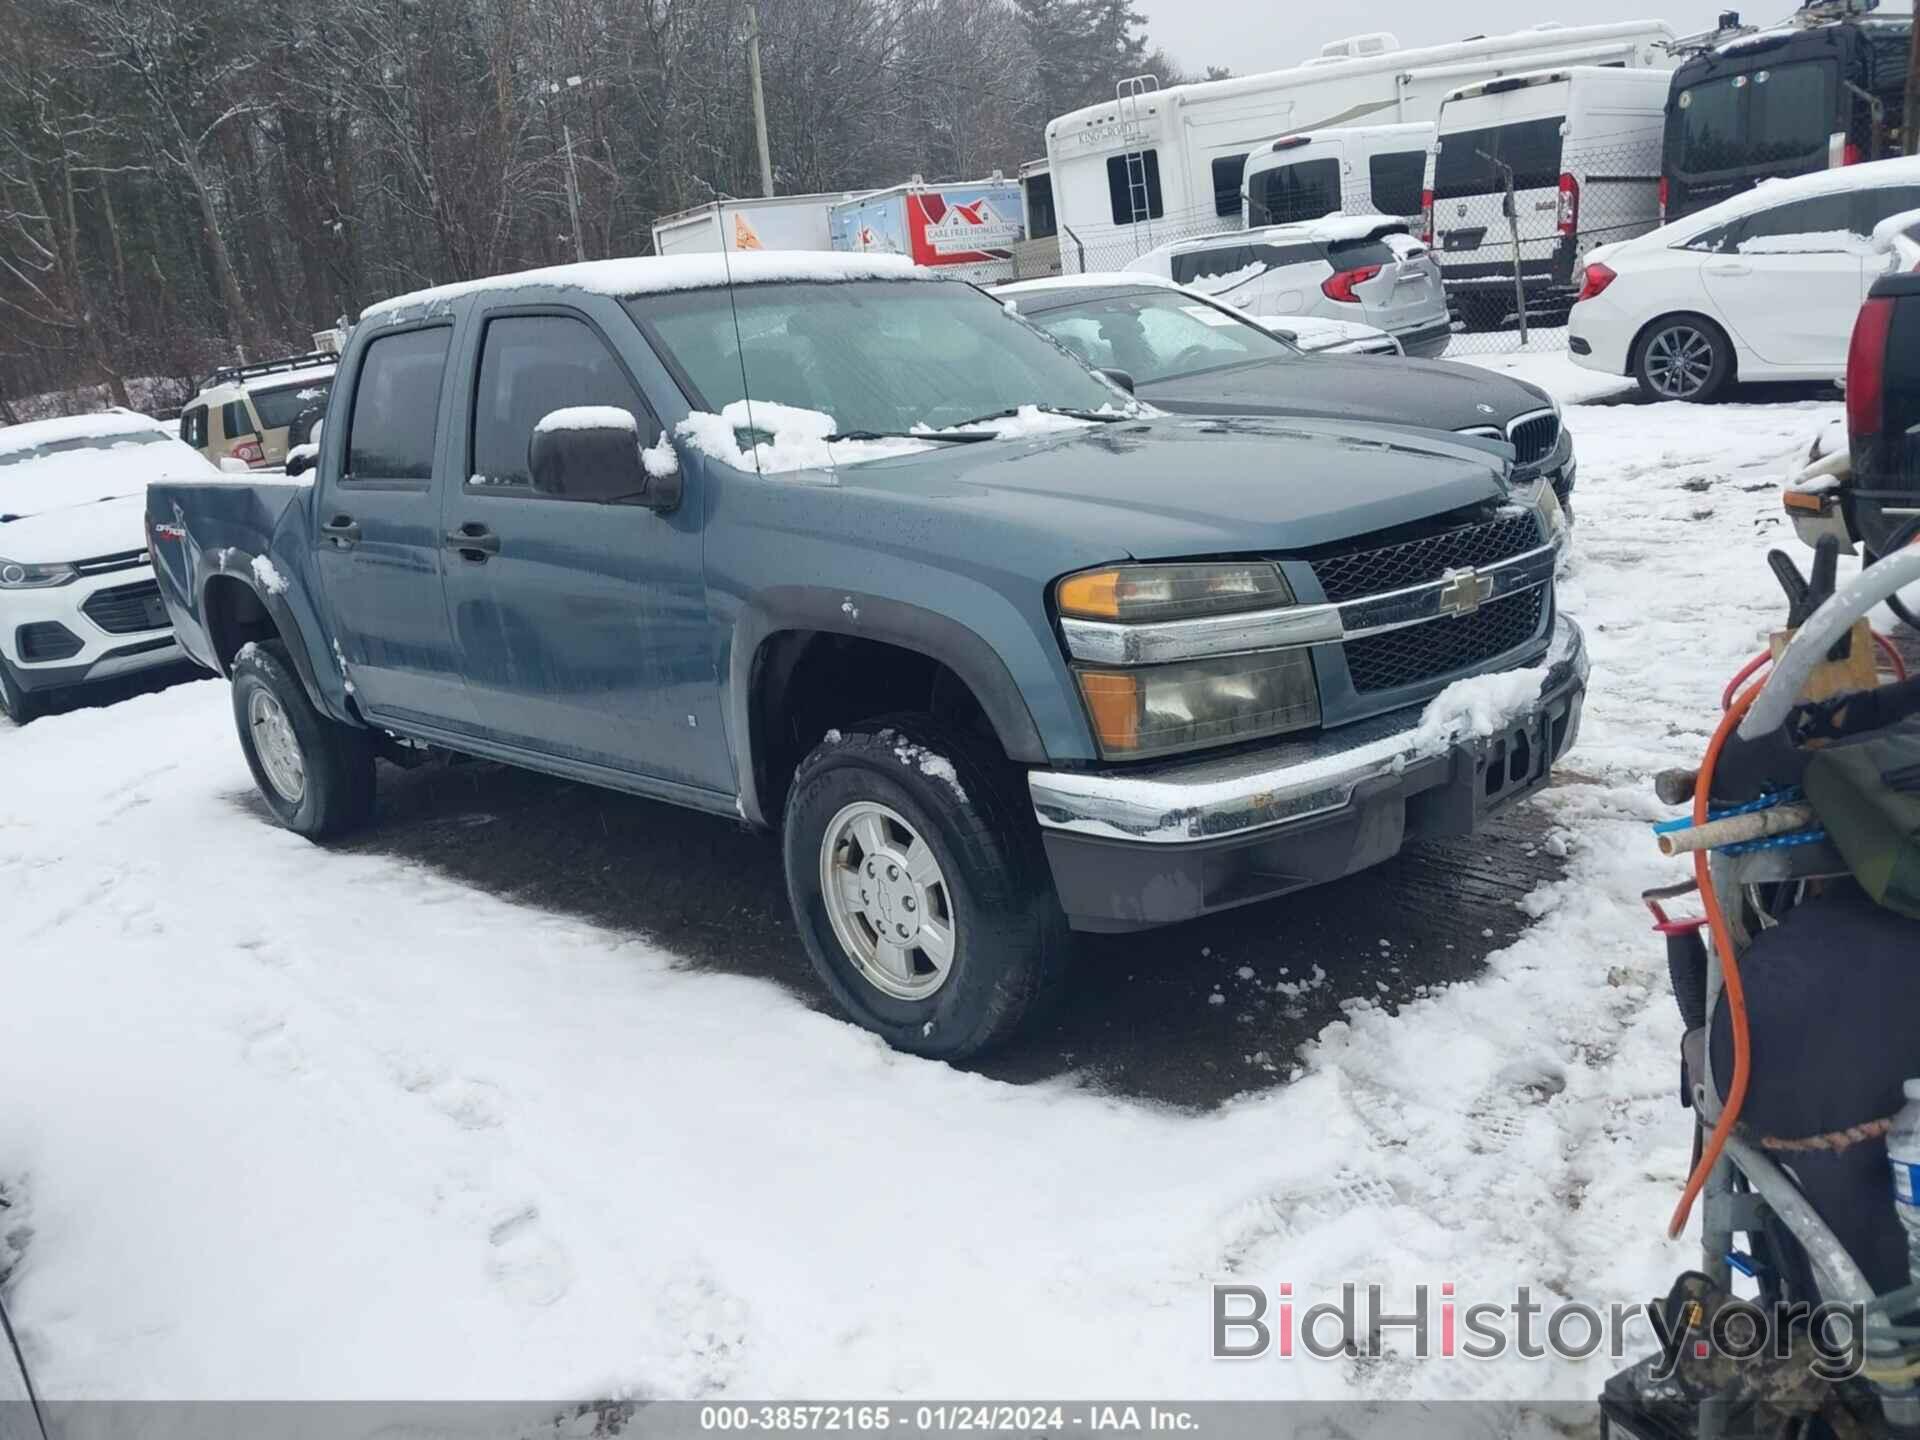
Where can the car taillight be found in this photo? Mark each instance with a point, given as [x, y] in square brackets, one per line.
[1595, 279]
[1567, 220]
[1663, 199]
[1852, 154]
[1340, 286]
[1866, 367]
[1426, 216]
[250, 451]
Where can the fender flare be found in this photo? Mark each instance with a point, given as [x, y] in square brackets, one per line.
[868, 617]
[237, 565]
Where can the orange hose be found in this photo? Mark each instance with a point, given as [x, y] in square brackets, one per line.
[1895, 662]
[1729, 969]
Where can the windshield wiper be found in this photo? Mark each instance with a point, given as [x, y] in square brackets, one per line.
[1098, 417]
[959, 437]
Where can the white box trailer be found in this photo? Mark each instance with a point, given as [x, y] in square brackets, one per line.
[768, 222]
[1155, 165]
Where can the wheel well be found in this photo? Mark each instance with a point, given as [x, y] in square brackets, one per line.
[234, 616]
[807, 682]
[1640, 338]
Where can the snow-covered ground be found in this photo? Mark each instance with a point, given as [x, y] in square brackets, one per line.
[289, 1123]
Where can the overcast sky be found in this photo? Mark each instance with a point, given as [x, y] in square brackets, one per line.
[1253, 35]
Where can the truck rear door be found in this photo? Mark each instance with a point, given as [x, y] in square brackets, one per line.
[380, 555]
[1482, 139]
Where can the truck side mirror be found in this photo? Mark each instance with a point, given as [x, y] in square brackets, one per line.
[592, 453]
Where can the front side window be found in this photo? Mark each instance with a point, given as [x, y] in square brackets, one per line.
[235, 420]
[1303, 191]
[1395, 180]
[878, 355]
[1133, 185]
[530, 366]
[396, 406]
[1159, 336]
[1471, 162]
[1227, 171]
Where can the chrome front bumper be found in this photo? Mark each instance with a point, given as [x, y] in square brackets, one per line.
[1202, 801]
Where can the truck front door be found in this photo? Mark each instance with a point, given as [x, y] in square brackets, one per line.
[380, 553]
[583, 623]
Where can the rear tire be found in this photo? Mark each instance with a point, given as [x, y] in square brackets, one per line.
[315, 774]
[1683, 357]
[19, 704]
[942, 933]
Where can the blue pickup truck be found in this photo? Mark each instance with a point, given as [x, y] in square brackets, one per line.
[860, 557]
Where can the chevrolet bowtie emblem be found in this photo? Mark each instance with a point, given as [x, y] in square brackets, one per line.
[1464, 591]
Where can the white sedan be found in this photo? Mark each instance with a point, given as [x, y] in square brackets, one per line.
[1764, 286]
[78, 603]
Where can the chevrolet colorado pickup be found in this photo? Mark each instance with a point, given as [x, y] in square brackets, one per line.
[856, 555]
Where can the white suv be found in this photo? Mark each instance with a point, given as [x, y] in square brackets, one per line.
[78, 602]
[1363, 268]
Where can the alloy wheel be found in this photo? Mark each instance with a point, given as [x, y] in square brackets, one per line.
[889, 903]
[1679, 360]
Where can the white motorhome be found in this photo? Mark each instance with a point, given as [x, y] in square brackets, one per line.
[1353, 170]
[769, 222]
[1154, 165]
[1582, 149]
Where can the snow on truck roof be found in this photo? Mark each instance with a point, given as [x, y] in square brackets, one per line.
[654, 274]
[104, 424]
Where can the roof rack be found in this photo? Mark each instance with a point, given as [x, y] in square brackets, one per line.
[227, 373]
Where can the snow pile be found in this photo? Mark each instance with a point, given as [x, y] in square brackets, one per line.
[799, 439]
[646, 275]
[918, 757]
[584, 417]
[1025, 421]
[1228, 280]
[35, 433]
[660, 459]
[1476, 707]
[310, 452]
[270, 578]
[1334, 228]
[1899, 236]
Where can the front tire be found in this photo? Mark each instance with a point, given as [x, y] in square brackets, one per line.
[19, 704]
[1683, 357]
[315, 774]
[920, 887]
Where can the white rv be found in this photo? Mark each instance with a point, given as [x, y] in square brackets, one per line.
[1155, 165]
[1353, 170]
[770, 222]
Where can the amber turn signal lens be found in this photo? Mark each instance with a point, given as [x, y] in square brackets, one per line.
[1095, 595]
[1113, 700]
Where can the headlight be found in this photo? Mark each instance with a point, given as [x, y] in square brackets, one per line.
[1548, 504]
[15, 576]
[1134, 593]
[1159, 709]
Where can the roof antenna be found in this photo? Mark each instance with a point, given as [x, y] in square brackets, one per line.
[739, 348]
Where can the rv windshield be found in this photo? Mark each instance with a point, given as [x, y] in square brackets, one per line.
[876, 355]
[1466, 163]
[1763, 117]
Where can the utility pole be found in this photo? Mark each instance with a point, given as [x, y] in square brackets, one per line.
[574, 82]
[759, 97]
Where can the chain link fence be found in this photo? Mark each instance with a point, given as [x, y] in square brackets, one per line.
[1511, 229]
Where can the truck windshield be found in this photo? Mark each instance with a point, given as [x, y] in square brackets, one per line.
[1466, 163]
[1774, 116]
[875, 355]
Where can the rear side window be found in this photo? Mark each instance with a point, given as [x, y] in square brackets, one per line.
[1394, 181]
[193, 426]
[396, 406]
[1882, 202]
[1305, 191]
[1470, 161]
[530, 366]
[1818, 225]
[1235, 263]
[235, 420]
[1133, 185]
[1227, 171]
[281, 406]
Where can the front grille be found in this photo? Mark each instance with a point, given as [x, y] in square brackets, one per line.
[1442, 647]
[107, 564]
[46, 640]
[126, 608]
[1533, 438]
[1427, 558]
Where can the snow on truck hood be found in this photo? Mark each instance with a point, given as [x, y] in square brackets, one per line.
[79, 532]
[652, 274]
